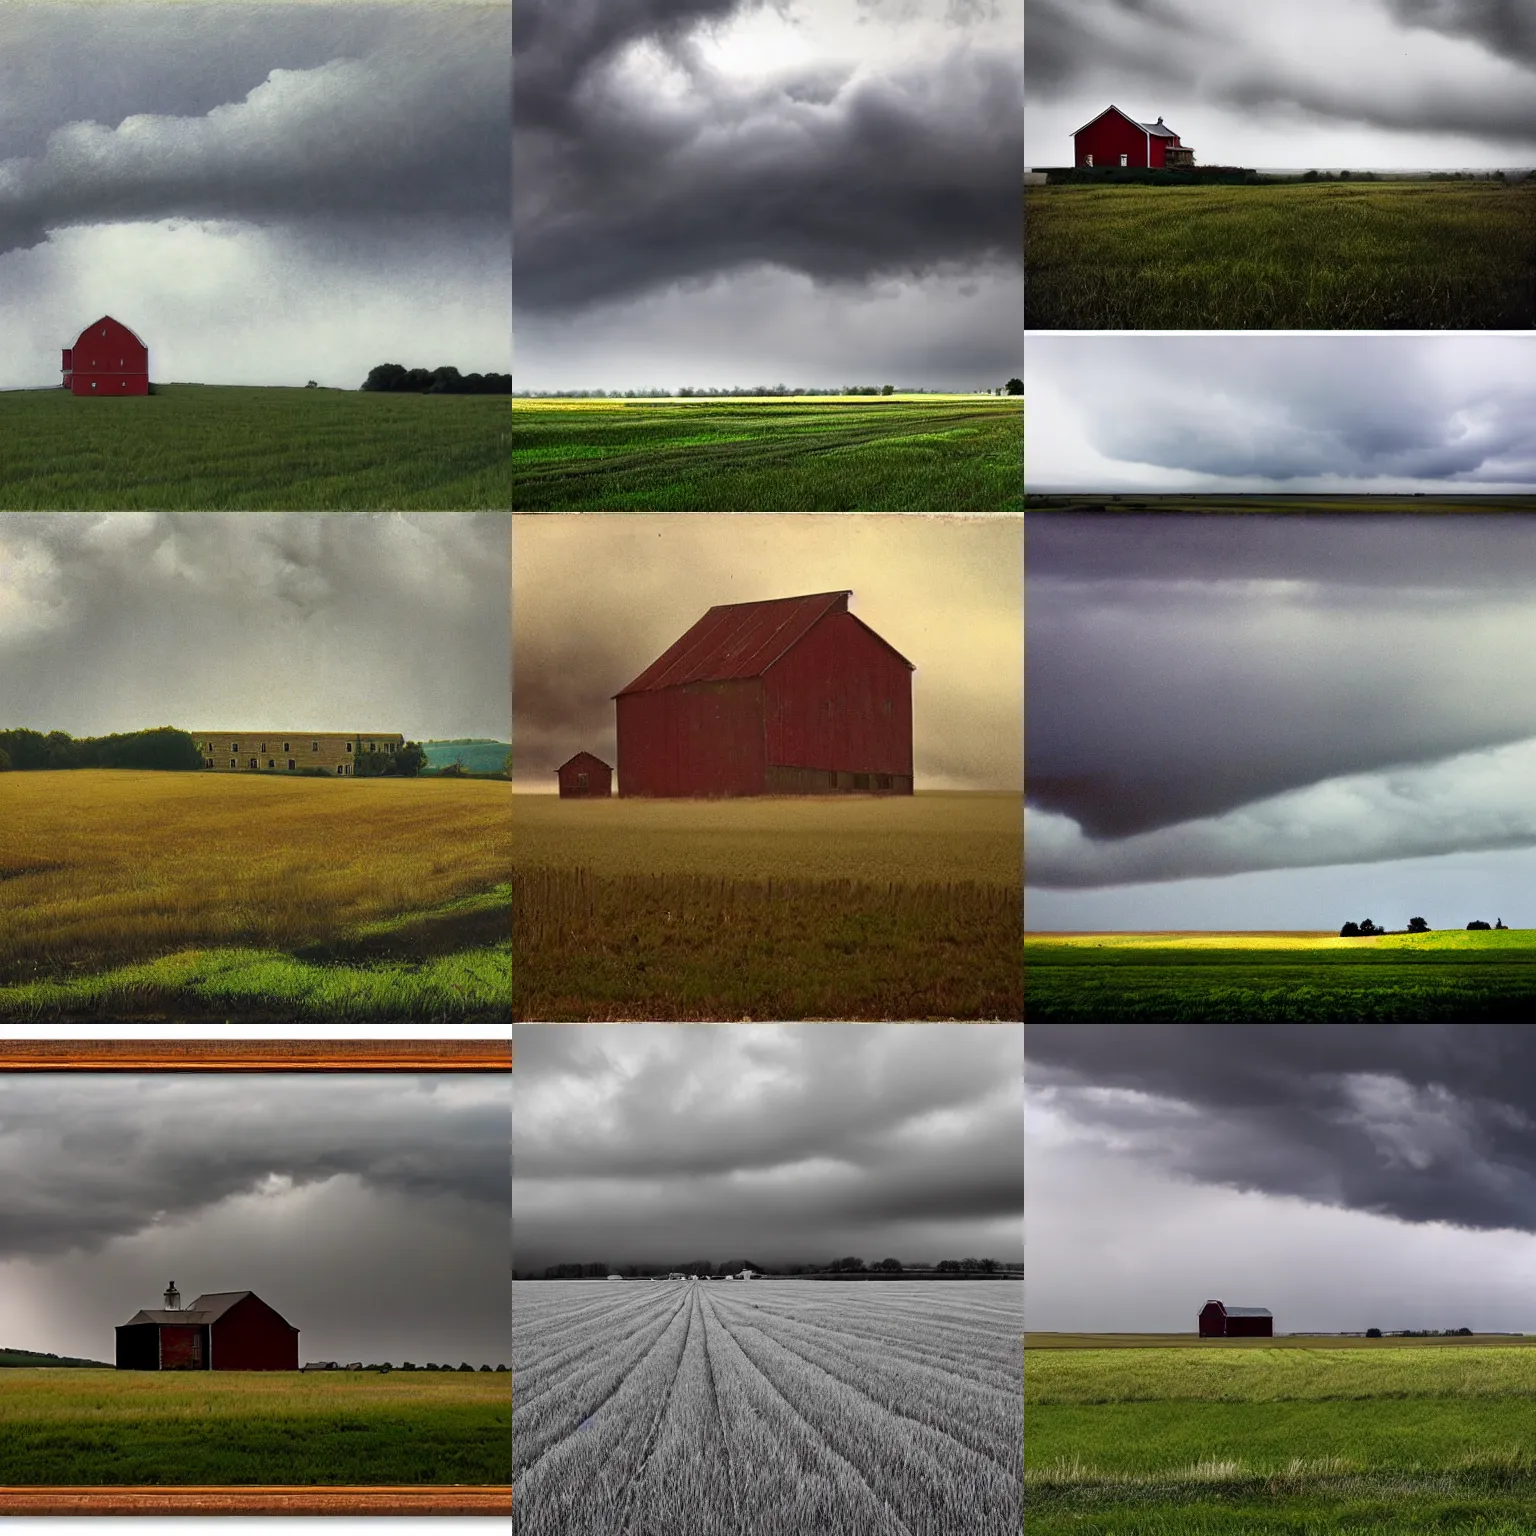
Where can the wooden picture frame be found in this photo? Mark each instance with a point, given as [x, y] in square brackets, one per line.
[257, 1056]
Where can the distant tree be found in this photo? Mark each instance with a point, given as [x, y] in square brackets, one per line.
[990, 1266]
[1417, 925]
[1350, 931]
[410, 760]
[1477, 922]
[389, 376]
[5, 760]
[312, 385]
[847, 1266]
[464, 1365]
[891, 1266]
[1499, 924]
[889, 389]
[971, 1264]
[1463, 1332]
[1015, 386]
[1370, 1333]
[1368, 927]
[485, 1367]
[949, 1266]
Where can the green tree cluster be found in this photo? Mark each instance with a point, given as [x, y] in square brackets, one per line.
[164, 747]
[403, 764]
[394, 378]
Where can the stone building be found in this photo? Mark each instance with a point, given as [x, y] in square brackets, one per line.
[333, 752]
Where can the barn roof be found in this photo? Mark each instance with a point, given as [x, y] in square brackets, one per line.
[590, 757]
[1247, 1311]
[206, 1309]
[1158, 129]
[115, 321]
[742, 640]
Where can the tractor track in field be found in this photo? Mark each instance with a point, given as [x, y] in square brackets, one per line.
[638, 1473]
[714, 1397]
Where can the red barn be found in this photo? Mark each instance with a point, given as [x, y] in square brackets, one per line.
[1217, 1321]
[585, 777]
[223, 1331]
[107, 359]
[1114, 139]
[792, 696]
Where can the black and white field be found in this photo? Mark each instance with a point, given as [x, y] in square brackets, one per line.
[766, 1408]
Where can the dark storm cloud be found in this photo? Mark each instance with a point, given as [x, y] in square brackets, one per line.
[91, 1157]
[1418, 1122]
[790, 1142]
[122, 620]
[1506, 28]
[1186, 667]
[354, 116]
[845, 177]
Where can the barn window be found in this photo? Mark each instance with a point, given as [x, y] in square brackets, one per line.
[234, 746]
[1090, 159]
[286, 747]
[1124, 160]
[581, 781]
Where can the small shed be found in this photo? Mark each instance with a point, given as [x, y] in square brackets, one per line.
[221, 1331]
[1218, 1321]
[585, 777]
[106, 359]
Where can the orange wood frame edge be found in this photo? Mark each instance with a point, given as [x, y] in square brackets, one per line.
[255, 1056]
[256, 1499]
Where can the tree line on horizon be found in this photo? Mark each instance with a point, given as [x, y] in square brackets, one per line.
[851, 1265]
[1368, 930]
[395, 378]
[687, 392]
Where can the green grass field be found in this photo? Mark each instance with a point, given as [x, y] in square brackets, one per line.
[765, 908]
[1310, 1438]
[904, 454]
[128, 895]
[111, 1427]
[1455, 976]
[197, 447]
[1398, 255]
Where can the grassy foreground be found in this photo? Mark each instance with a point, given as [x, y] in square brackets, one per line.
[903, 454]
[111, 1427]
[1318, 1440]
[199, 447]
[1398, 255]
[140, 895]
[847, 907]
[1455, 976]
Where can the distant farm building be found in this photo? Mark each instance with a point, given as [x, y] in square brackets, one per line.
[106, 359]
[1218, 1322]
[790, 696]
[333, 752]
[222, 1331]
[585, 777]
[1114, 139]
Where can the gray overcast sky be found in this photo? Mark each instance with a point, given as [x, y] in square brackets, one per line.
[1355, 413]
[597, 598]
[1389, 84]
[664, 1143]
[739, 192]
[119, 621]
[1280, 721]
[371, 1209]
[1344, 1176]
[265, 193]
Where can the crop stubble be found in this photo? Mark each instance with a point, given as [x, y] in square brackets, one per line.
[775, 1407]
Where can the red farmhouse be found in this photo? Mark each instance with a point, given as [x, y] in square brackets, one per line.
[792, 696]
[585, 777]
[1217, 1321]
[108, 359]
[223, 1331]
[1113, 139]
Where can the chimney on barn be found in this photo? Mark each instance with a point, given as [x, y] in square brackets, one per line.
[172, 1298]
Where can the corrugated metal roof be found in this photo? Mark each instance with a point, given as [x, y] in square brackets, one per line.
[1246, 1311]
[737, 640]
[1159, 128]
[206, 1309]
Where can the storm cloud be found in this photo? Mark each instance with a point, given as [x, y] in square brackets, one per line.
[597, 598]
[782, 1143]
[275, 162]
[120, 621]
[1215, 695]
[704, 157]
[1383, 84]
[336, 1197]
[1294, 413]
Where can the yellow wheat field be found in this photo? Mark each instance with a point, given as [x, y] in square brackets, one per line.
[105, 865]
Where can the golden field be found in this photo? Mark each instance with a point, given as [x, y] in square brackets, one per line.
[100, 866]
[926, 837]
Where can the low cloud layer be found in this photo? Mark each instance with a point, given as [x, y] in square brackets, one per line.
[598, 598]
[664, 1143]
[118, 621]
[1215, 695]
[1282, 413]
